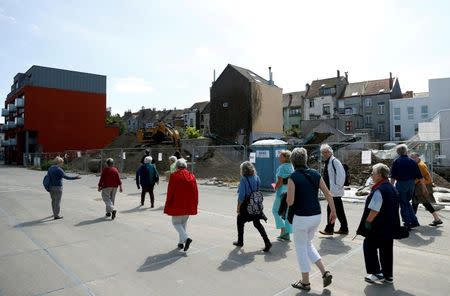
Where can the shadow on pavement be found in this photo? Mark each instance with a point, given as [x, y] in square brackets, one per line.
[238, 258]
[426, 237]
[332, 246]
[161, 260]
[278, 251]
[325, 292]
[134, 194]
[93, 221]
[135, 209]
[34, 222]
[384, 289]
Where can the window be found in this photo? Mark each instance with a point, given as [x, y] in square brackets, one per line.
[341, 104]
[326, 109]
[398, 131]
[381, 128]
[294, 112]
[368, 102]
[348, 126]
[424, 112]
[396, 113]
[368, 118]
[295, 126]
[191, 122]
[410, 112]
[348, 111]
[327, 91]
[381, 108]
[311, 103]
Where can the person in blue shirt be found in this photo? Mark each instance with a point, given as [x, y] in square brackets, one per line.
[249, 182]
[283, 172]
[56, 174]
[404, 172]
[146, 177]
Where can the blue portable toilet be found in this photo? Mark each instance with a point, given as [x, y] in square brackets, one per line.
[265, 158]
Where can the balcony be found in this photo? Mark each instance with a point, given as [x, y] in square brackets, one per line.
[19, 121]
[11, 124]
[12, 108]
[20, 103]
[5, 112]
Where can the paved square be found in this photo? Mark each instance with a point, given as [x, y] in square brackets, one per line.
[86, 254]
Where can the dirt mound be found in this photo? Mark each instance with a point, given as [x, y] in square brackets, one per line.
[127, 140]
[217, 164]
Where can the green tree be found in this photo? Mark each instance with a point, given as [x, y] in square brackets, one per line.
[192, 133]
[117, 121]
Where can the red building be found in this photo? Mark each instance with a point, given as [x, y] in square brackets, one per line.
[53, 110]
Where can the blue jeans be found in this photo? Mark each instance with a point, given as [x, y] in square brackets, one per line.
[406, 191]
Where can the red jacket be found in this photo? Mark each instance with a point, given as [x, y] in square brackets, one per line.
[109, 178]
[182, 194]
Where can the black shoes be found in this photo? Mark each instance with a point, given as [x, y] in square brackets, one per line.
[187, 244]
[108, 214]
[58, 217]
[113, 216]
[238, 244]
[267, 247]
[180, 246]
[436, 222]
[340, 231]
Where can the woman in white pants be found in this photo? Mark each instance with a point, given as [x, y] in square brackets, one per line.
[302, 196]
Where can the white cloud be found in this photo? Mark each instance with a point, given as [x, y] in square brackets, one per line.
[133, 85]
[35, 29]
[6, 17]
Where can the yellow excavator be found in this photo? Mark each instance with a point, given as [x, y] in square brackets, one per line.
[158, 133]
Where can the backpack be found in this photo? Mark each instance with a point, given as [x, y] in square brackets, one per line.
[347, 173]
[46, 182]
[255, 201]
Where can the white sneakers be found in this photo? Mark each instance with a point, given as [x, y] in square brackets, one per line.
[372, 278]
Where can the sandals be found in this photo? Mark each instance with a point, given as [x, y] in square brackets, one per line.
[327, 279]
[301, 286]
[284, 237]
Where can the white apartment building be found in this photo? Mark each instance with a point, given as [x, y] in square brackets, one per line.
[407, 113]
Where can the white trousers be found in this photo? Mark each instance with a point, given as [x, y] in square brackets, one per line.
[179, 222]
[304, 228]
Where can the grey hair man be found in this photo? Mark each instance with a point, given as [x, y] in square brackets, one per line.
[108, 183]
[334, 177]
[404, 173]
[56, 174]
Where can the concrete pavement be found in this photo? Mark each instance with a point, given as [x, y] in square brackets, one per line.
[86, 254]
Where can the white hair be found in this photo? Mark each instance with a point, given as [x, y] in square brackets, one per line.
[181, 163]
[59, 159]
[109, 162]
[402, 149]
[326, 147]
[173, 159]
[148, 159]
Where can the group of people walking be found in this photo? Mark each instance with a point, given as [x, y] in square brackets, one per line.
[297, 188]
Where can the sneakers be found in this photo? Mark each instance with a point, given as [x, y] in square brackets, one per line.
[436, 222]
[372, 278]
[389, 280]
[113, 216]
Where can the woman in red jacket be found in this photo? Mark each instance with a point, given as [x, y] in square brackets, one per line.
[182, 200]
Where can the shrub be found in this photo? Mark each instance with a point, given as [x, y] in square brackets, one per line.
[192, 133]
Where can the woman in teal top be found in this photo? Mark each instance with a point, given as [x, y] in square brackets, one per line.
[283, 172]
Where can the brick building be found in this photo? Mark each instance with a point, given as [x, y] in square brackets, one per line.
[52, 110]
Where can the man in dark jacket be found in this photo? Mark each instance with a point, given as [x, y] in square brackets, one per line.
[147, 176]
[378, 225]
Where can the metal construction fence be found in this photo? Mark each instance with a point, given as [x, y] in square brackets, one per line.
[223, 162]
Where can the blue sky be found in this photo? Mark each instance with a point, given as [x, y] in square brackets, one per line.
[162, 54]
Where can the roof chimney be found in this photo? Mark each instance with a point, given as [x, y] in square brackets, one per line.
[214, 76]
[338, 73]
[270, 76]
[346, 75]
[307, 87]
[391, 82]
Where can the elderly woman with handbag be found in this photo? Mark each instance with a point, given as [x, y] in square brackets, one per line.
[303, 198]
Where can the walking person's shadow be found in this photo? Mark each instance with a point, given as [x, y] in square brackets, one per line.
[160, 261]
[238, 258]
[277, 252]
[34, 222]
[332, 246]
[381, 289]
[92, 221]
